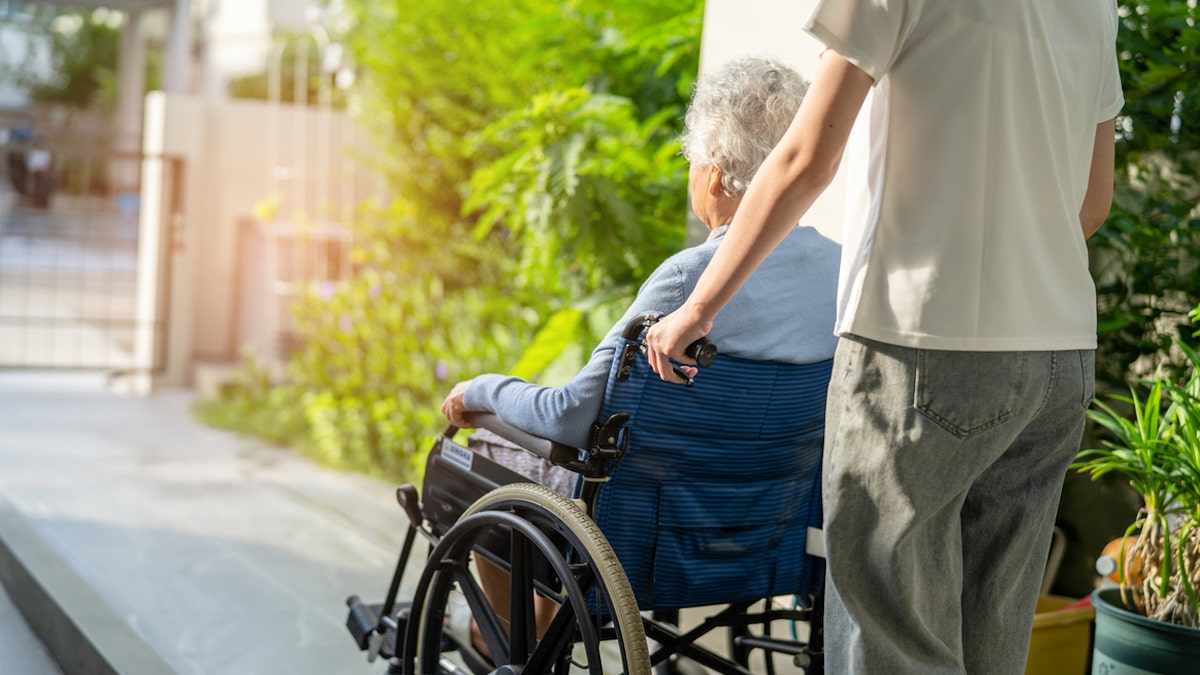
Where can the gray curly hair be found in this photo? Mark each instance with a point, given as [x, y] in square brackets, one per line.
[738, 114]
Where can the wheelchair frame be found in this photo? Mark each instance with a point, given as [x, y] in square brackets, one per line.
[554, 548]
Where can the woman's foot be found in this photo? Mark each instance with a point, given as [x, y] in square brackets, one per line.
[460, 623]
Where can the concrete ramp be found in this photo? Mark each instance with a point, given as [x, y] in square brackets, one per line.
[137, 541]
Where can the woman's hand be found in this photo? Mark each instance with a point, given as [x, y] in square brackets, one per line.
[667, 340]
[453, 407]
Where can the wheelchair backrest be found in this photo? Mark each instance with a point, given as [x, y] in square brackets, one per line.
[719, 484]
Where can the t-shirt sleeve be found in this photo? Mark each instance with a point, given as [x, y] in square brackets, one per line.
[1112, 99]
[868, 33]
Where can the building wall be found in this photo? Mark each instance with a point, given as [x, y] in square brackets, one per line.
[300, 168]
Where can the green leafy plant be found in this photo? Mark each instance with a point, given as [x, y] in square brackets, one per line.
[378, 350]
[1157, 447]
[249, 402]
[1146, 262]
[583, 181]
[1146, 259]
[82, 48]
[531, 150]
[582, 175]
[592, 174]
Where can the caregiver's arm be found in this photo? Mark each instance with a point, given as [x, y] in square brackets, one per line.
[795, 173]
[1098, 200]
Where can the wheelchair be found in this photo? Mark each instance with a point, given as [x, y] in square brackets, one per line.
[704, 496]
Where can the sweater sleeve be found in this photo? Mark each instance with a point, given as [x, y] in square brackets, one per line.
[565, 414]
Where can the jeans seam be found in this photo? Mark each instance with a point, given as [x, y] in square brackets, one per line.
[1087, 399]
[957, 429]
[1050, 384]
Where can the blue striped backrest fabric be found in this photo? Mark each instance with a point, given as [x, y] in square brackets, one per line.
[713, 500]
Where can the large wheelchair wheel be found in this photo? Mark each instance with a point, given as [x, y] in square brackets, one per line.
[545, 532]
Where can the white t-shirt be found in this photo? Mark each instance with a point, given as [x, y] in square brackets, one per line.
[968, 168]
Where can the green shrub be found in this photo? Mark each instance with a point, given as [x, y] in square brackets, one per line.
[1146, 259]
[531, 148]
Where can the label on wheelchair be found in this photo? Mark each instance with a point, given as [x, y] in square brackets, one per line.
[458, 455]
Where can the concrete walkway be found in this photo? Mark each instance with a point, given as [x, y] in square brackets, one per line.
[137, 541]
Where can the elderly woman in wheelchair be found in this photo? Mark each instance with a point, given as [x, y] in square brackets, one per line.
[667, 497]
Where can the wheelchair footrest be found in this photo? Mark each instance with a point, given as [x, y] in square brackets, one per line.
[362, 620]
[371, 631]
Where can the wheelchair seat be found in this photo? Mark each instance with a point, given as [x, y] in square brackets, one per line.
[720, 482]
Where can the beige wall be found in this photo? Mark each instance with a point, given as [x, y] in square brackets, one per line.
[237, 155]
[737, 27]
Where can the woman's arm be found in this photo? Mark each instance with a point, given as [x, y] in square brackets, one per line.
[565, 414]
[1098, 200]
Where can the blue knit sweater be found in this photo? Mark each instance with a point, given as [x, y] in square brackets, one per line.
[785, 313]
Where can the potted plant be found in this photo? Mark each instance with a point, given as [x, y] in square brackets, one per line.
[1152, 621]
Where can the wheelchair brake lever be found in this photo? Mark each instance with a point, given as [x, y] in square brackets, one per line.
[703, 351]
[626, 366]
[687, 379]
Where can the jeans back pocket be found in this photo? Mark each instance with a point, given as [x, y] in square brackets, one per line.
[968, 392]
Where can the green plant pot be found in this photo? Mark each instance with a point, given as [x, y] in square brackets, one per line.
[1128, 643]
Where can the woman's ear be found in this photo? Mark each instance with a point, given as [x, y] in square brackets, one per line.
[714, 181]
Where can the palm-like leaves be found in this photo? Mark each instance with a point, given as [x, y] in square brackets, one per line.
[1158, 448]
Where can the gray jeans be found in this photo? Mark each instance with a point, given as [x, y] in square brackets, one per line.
[943, 472]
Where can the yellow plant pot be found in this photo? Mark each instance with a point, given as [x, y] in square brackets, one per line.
[1061, 639]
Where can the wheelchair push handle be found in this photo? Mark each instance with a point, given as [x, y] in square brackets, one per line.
[702, 351]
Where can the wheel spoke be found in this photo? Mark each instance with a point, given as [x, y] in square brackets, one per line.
[559, 634]
[522, 621]
[491, 626]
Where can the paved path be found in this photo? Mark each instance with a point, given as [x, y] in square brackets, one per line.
[178, 548]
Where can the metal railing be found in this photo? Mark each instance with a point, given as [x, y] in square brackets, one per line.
[76, 258]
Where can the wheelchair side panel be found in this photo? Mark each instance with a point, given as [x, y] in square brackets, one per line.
[455, 477]
[713, 501]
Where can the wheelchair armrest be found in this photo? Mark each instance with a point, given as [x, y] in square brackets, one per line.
[548, 450]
